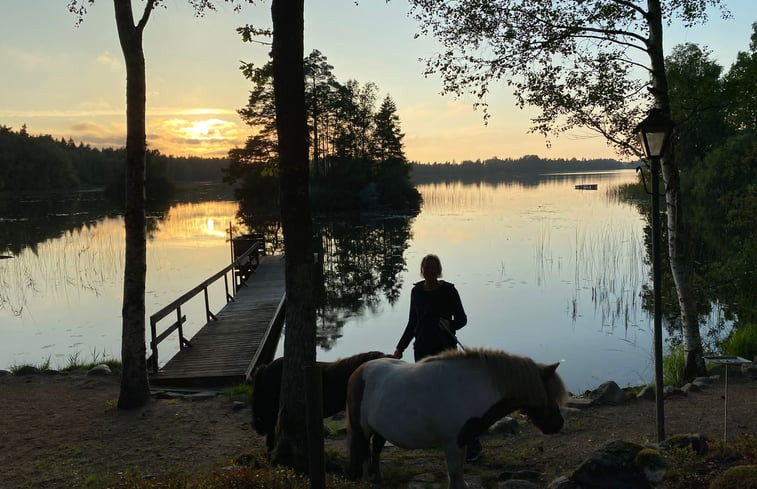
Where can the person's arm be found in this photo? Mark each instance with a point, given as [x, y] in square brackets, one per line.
[459, 318]
[409, 333]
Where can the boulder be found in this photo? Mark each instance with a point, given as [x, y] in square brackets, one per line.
[518, 484]
[608, 393]
[672, 391]
[620, 465]
[738, 477]
[5, 373]
[506, 426]
[100, 370]
[697, 442]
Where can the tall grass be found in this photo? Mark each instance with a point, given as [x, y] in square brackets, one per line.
[674, 366]
[742, 342]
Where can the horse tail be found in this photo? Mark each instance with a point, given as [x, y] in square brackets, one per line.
[358, 441]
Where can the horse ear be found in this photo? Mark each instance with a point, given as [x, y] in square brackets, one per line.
[549, 370]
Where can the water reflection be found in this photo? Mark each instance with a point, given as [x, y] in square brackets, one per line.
[543, 269]
[61, 295]
[362, 265]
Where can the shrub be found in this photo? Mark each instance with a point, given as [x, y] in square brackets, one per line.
[738, 477]
[674, 366]
[742, 342]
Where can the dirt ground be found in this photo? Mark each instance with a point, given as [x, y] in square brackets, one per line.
[65, 431]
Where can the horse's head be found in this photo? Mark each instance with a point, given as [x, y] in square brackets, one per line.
[547, 417]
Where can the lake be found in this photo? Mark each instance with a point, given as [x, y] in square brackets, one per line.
[543, 270]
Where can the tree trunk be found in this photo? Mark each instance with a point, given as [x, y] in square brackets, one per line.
[680, 261]
[297, 413]
[135, 389]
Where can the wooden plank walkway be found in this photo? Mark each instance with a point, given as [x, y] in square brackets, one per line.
[223, 350]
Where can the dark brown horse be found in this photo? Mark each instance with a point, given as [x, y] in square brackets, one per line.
[266, 381]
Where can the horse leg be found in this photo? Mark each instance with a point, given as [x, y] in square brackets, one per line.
[374, 467]
[359, 453]
[455, 462]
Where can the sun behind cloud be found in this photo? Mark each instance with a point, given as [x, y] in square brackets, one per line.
[182, 137]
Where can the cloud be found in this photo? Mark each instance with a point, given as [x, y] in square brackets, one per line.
[106, 59]
[112, 134]
[202, 137]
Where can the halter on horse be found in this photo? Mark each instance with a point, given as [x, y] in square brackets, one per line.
[266, 380]
[445, 401]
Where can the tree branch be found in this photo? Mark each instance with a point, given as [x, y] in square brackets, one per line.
[145, 15]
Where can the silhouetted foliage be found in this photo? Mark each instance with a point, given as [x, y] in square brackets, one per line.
[356, 151]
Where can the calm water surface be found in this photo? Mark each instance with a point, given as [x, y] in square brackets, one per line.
[543, 270]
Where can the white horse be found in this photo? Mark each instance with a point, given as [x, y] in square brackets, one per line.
[445, 401]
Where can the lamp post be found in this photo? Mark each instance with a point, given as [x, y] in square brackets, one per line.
[653, 133]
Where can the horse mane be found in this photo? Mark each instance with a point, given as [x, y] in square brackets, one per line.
[352, 362]
[515, 375]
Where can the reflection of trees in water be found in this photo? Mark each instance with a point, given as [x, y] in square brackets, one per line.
[27, 221]
[362, 261]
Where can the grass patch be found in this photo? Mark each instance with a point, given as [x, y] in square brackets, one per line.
[97, 358]
[239, 392]
[674, 366]
[742, 342]
[74, 363]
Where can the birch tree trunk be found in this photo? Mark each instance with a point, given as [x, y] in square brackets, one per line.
[298, 414]
[680, 262]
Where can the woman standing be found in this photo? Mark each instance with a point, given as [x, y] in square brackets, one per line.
[436, 312]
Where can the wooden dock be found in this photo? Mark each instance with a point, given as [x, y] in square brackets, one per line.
[243, 333]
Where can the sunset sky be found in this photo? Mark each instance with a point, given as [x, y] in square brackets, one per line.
[69, 81]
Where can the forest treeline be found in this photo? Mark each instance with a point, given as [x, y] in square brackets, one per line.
[506, 168]
[37, 163]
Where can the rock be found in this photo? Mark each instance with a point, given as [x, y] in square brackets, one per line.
[615, 466]
[238, 405]
[652, 464]
[579, 402]
[5, 373]
[702, 382]
[506, 426]
[101, 369]
[563, 482]
[672, 391]
[691, 387]
[697, 442]
[647, 393]
[738, 477]
[608, 393]
[749, 370]
[28, 370]
[518, 484]
[167, 395]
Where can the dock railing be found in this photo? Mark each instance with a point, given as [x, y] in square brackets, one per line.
[245, 260]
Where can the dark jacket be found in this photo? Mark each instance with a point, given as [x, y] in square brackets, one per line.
[426, 308]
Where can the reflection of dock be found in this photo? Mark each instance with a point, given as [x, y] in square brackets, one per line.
[242, 334]
[586, 186]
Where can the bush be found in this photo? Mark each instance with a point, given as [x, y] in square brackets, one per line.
[739, 477]
[674, 366]
[742, 342]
